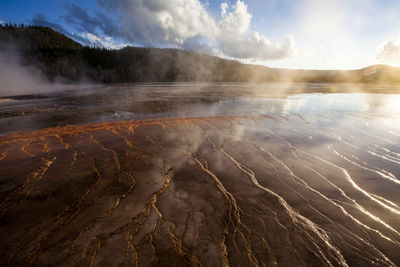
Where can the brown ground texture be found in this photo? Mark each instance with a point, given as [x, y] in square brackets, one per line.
[213, 191]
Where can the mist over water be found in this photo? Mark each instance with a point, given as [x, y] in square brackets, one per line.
[275, 174]
[96, 103]
[19, 77]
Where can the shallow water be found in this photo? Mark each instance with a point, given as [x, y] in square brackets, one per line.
[144, 101]
[202, 174]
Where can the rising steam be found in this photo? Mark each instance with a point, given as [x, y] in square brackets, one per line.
[17, 79]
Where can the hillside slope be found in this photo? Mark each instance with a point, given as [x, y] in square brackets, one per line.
[59, 57]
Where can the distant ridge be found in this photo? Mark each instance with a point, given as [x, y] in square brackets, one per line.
[59, 57]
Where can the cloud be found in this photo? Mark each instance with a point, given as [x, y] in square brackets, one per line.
[85, 37]
[237, 40]
[201, 45]
[41, 20]
[185, 24]
[236, 22]
[106, 42]
[390, 51]
[79, 18]
[161, 22]
[257, 46]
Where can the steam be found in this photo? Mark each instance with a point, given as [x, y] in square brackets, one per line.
[17, 79]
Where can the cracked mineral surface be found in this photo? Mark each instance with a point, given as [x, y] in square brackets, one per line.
[200, 175]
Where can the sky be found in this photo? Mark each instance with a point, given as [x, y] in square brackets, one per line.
[296, 34]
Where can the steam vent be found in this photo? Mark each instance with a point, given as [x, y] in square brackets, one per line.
[278, 185]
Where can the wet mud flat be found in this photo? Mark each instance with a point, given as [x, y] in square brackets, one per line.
[280, 185]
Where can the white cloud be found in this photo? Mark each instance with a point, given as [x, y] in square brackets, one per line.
[200, 44]
[236, 22]
[390, 51]
[187, 24]
[106, 42]
[154, 22]
[224, 7]
[237, 40]
[1, 22]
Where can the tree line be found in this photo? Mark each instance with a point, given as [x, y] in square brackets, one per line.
[60, 57]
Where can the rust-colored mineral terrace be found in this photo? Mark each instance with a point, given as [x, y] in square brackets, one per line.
[259, 190]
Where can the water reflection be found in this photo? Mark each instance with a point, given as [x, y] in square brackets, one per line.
[253, 176]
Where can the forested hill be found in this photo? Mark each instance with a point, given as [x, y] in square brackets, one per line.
[59, 57]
